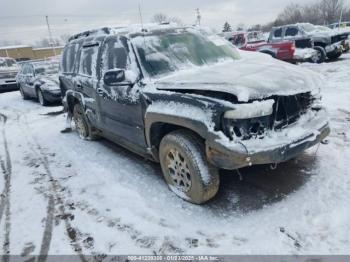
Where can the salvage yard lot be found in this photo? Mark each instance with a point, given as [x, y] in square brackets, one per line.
[62, 195]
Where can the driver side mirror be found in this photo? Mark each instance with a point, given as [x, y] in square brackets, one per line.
[116, 77]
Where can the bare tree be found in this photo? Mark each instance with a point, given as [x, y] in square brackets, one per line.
[160, 18]
[291, 14]
[330, 10]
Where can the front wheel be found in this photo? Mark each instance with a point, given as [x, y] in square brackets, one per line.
[320, 55]
[41, 98]
[186, 169]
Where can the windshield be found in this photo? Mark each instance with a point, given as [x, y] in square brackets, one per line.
[4, 62]
[48, 68]
[181, 49]
[308, 27]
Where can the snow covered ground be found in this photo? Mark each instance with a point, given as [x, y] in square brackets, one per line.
[62, 195]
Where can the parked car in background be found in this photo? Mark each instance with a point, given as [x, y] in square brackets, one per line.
[341, 25]
[328, 43]
[191, 102]
[284, 50]
[8, 72]
[39, 80]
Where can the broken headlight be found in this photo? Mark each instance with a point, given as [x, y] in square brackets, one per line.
[248, 120]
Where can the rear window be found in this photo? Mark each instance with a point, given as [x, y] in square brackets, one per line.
[278, 33]
[69, 57]
[291, 31]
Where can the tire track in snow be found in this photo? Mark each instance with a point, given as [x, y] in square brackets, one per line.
[5, 205]
[55, 199]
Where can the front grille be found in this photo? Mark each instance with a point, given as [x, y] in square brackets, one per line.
[288, 109]
[339, 38]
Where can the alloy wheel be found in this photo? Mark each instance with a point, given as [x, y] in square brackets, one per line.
[178, 170]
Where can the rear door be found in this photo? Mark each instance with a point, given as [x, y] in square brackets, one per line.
[120, 106]
[85, 81]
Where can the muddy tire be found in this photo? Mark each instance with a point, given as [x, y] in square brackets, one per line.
[320, 56]
[41, 98]
[82, 126]
[186, 169]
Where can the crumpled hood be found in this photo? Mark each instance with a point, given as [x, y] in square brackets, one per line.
[255, 76]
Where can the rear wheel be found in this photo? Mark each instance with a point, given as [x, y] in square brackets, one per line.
[41, 98]
[320, 55]
[82, 126]
[185, 168]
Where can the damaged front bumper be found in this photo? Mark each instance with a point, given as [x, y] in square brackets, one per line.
[276, 147]
[335, 48]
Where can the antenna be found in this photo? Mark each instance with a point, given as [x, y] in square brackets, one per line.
[199, 17]
[140, 13]
[50, 35]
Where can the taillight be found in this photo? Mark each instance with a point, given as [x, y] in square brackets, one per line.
[293, 47]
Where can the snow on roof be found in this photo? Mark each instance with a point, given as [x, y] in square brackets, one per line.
[13, 47]
[128, 30]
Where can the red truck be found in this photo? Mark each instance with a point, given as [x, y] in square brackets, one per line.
[290, 51]
[255, 41]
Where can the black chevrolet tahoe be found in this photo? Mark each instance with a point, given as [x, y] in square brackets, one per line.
[190, 101]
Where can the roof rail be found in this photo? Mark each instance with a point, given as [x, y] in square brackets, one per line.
[104, 30]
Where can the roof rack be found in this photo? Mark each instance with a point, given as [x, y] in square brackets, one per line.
[104, 30]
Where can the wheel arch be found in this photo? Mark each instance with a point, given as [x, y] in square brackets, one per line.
[71, 99]
[268, 52]
[159, 125]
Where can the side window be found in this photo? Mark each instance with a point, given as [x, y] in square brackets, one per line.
[69, 57]
[30, 70]
[114, 55]
[25, 70]
[277, 33]
[291, 31]
[87, 64]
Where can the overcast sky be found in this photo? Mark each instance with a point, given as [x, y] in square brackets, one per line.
[24, 20]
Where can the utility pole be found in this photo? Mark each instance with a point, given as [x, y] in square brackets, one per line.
[199, 17]
[341, 18]
[50, 35]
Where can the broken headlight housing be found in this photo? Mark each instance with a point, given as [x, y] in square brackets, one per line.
[249, 120]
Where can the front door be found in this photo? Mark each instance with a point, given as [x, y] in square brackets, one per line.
[120, 106]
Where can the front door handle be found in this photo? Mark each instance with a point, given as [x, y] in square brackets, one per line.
[79, 86]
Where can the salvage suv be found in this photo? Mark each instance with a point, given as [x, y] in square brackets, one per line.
[190, 101]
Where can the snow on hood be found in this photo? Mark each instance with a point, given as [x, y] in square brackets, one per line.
[51, 81]
[254, 76]
[319, 31]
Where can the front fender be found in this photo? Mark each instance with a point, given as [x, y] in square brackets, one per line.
[199, 120]
[70, 97]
